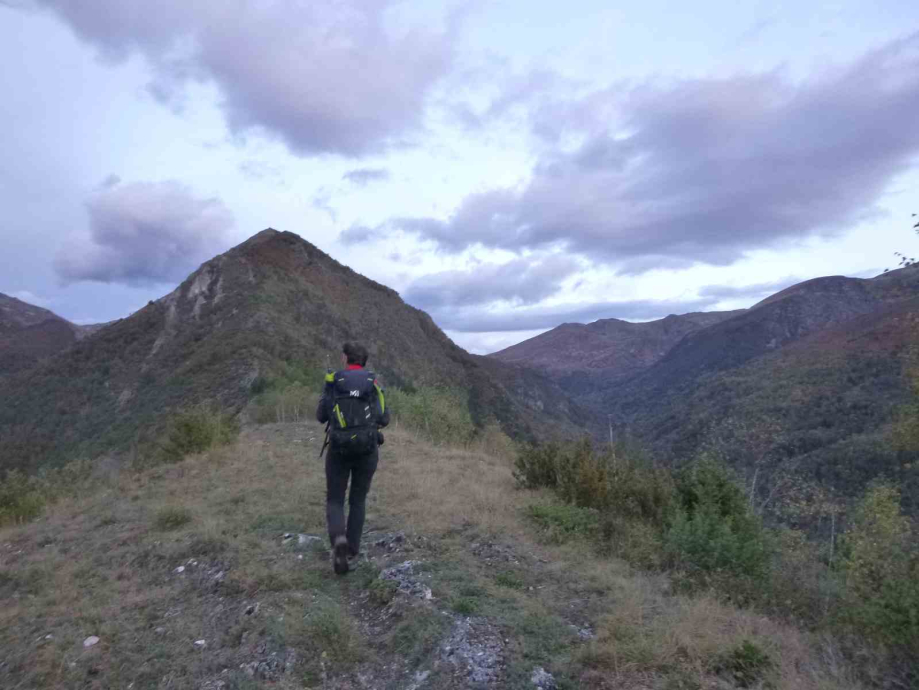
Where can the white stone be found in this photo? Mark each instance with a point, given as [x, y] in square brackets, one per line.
[90, 641]
[200, 644]
[542, 679]
[180, 569]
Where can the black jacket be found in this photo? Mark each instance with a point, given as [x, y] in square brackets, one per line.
[348, 380]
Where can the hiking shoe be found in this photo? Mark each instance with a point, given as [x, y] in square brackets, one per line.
[340, 555]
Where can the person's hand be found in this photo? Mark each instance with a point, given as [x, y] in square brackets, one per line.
[380, 438]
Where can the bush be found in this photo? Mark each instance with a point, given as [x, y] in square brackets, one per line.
[746, 664]
[800, 582]
[382, 591]
[614, 479]
[509, 579]
[23, 497]
[708, 542]
[880, 562]
[536, 466]
[439, 414]
[582, 476]
[635, 541]
[197, 430]
[713, 529]
[20, 498]
[171, 517]
[639, 491]
[561, 522]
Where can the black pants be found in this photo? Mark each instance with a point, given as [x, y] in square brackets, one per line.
[337, 471]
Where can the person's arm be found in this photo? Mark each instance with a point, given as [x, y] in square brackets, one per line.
[322, 410]
[382, 411]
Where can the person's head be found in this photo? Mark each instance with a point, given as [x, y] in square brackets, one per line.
[354, 353]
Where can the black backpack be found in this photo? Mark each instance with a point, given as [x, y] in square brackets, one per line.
[352, 415]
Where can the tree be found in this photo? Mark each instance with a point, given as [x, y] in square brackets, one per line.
[905, 261]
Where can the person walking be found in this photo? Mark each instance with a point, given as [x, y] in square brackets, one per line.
[354, 407]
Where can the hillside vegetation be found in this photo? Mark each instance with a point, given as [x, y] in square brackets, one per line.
[29, 334]
[213, 572]
[268, 314]
[806, 386]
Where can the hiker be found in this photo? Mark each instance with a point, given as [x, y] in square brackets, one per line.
[354, 407]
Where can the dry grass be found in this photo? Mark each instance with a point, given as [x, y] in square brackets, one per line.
[691, 638]
[440, 489]
[105, 565]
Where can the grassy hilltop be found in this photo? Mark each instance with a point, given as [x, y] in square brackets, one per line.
[469, 582]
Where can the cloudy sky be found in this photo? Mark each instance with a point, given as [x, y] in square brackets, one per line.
[506, 165]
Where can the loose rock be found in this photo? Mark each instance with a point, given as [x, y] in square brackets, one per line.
[90, 641]
[419, 680]
[585, 633]
[476, 651]
[407, 580]
[200, 644]
[542, 679]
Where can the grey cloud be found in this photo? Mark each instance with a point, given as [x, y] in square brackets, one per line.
[724, 292]
[520, 280]
[534, 318]
[356, 234]
[516, 91]
[110, 181]
[705, 170]
[364, 176]
[325, 77]
[145, 233]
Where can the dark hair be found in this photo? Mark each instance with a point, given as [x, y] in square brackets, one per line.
[356, 353]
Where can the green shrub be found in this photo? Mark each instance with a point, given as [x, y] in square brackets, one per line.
[713, 529]
[382, 591]
[638, 490]
[171, 517]
[197, 430]
[23, 497]
[633, 540]
[509, 579]
[20, 498]
[880, 563]
[618, 480]
[536, 466]
[709, 482]
[562, 522]
[440, 414]
[465, 606]
[746, 664]
[582, 476]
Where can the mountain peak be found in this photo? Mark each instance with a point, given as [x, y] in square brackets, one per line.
[29, 334]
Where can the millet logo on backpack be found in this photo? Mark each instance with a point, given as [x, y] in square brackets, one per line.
[355, 394]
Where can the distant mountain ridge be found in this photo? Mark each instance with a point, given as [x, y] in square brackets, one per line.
[29, 334]
[822, 366]
[582, 356]
[271, 303]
